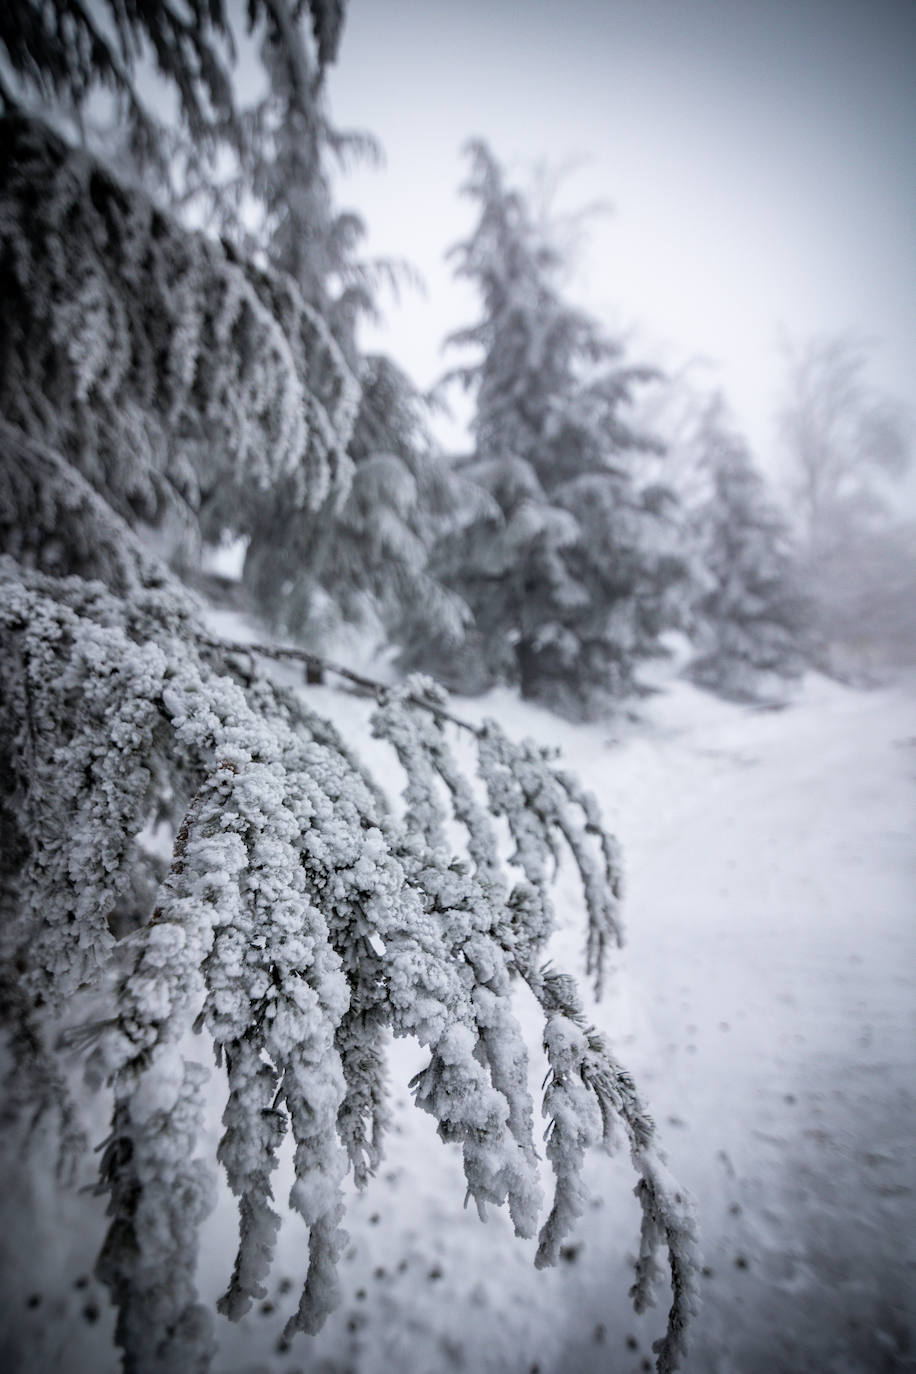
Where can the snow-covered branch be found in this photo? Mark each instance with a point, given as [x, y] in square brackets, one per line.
[188, 845]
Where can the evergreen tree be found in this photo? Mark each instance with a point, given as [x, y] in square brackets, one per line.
[750, 616]
[304, 570]
[299, 918]
[358, 561]
[162, 367]
[569, 568]
[402, 500]
[284, 167]
[64, 53]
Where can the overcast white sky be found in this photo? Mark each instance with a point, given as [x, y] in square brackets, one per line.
[760, 156]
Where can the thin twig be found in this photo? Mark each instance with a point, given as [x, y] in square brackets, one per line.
[371, 685]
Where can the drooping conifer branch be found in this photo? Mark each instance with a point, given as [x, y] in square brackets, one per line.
[587, 1096]
[269, 928]
[300, 918]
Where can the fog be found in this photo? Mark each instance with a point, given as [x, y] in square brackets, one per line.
[758, 160]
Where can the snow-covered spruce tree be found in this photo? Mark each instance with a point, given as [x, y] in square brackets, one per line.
[299, 918]
[569, 569]
[274, 156]
[62, 55]
[375, 578]
[750, 616]
[163, 368]
[198, 480]
[285, 174]
[316, 574]
[361, 564]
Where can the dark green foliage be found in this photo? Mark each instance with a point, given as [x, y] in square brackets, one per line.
[357, 560]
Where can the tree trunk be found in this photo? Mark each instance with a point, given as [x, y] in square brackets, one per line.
[526, 657]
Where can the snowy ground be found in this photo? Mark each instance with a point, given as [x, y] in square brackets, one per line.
[765, 1002]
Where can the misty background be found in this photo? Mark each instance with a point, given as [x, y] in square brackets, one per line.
[757, 158]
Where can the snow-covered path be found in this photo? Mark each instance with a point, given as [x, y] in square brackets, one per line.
[771, 975]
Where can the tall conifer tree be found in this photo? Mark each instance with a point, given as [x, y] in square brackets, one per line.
[568, 571]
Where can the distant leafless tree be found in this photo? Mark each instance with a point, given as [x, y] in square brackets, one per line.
[842, 438]
[846, 443]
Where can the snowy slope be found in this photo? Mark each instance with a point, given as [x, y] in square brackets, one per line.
[765, 1003]
[770, 991]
